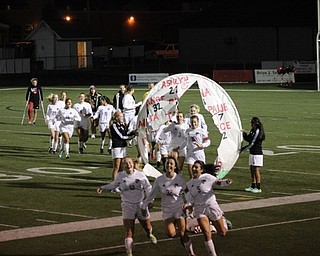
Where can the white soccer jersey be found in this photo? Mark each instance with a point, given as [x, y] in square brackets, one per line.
[132, 186]
[178, 134]
[52, 111]
[129, 104]
[85, 111]
[198, 135]
[162, 137]
[61, 104]
[200, 190]
[171, 192]
[68, 116]
[104, 113]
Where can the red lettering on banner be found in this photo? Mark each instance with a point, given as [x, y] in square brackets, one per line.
[224, 126]
[154, 100]
[174, 81]
[219, 108]
[169, 115]
[174, 100]
[142, 123]
[153, 117]
[205, 93]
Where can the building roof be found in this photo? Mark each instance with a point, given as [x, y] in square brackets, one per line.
[68, 30]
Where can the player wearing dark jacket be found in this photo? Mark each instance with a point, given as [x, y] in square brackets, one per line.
[255, 138]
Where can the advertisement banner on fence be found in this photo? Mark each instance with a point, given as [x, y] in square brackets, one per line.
[233, 76]
[270, 76]
[146, 78]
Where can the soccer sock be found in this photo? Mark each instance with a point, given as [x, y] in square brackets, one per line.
[253, 185]
[258, 185]
[109, 143]
[102, 143]
[66, 148]
[51, 142]
[128, 242]
[55, 146]
[210, 248]
[189, 247]
[158, 156]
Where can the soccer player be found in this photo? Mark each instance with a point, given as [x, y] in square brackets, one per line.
[255, 139]
[202, 200]
[68, 116]
[129, 105]
[194, 110]
[119, 136]
[117, 99]
[104, 114]
[197, 140]
[33, 96]
[94, 100]
[163, 139]
[172, 187]
[133, 185]
[50, 119]
[82, 128]
[178, 138]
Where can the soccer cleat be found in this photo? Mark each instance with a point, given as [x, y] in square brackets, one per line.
[50, 150]
[34, 123]
[60, 154]
[80, 150]
[101, 151]
[93, 136]
[153, 239]
[109, 151]
[67, 156]
[256, 190]
[249, 189]
[129, 253]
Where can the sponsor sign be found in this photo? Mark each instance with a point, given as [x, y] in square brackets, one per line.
[146, 78]
[270, 76]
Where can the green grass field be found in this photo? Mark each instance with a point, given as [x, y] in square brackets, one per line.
[38, 189]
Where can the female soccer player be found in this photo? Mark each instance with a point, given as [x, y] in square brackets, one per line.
[163, 139]
[201, 197]
[129, 105]
[68, 116]
[172, 188]
[178, 138]
[34, 96]
[50, 119]
[119, 136]
[194, 110]
[197, 140]
[104, 113]
[82, 128]
[133, 185]
[255, 139]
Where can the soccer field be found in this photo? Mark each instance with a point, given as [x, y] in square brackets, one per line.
[48, 206]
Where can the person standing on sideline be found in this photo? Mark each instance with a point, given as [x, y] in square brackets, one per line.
[104, 114]
[172, 188]
[52, 111]
[255, 139]
[34, 96]
[197, 141]
[202, 200]
[94, 100]
[133, 185]
[119, 136]
[129, 105]
[117, 99]
[68, 116]
[82, 127]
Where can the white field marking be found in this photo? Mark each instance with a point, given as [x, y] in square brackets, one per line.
[300, 147]
[50, 212]
[271, 153]
[192, 235]
[116, 211]
[309, 189]
[48, 221]
[72, 171]
[31, 232]
[5, 177]
[9, 226]
[247, 195]
[281, 193]
[272, 170]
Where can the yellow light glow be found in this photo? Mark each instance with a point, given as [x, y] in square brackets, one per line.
[131, 20]
[67, 18]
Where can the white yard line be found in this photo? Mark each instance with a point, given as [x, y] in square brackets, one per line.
[54, 229]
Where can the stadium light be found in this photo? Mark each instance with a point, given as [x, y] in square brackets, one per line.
[131, 20]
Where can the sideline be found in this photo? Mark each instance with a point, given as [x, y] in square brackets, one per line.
[31, 232]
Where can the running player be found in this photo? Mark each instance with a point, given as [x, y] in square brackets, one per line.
[68, 116]
[50, 119]
[194, 110]
[82, 128]
[133, 185]
[172, 187]
[197, 140]
[201, 196]
[104, 114]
